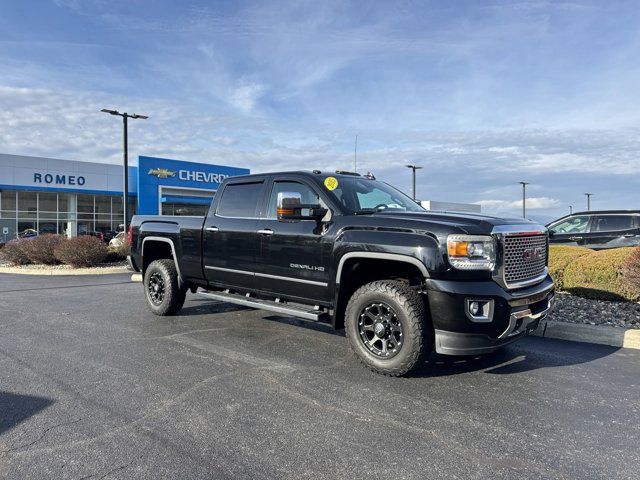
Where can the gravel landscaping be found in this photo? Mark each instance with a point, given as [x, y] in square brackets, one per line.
[572, 309]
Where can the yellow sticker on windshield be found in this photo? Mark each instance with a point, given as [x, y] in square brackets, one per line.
[331, 183]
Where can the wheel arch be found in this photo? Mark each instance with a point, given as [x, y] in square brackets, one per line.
[358, 268]
[156, 248]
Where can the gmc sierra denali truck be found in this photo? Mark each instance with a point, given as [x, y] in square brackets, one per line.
[356, 252]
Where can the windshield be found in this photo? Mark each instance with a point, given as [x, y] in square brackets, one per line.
[362, 195]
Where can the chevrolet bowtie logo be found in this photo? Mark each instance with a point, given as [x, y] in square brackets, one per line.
[161, 173]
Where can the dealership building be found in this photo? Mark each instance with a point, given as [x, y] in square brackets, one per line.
[74, 197]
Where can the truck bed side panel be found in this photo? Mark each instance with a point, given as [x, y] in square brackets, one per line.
[186, 235]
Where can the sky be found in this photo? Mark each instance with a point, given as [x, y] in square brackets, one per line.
[481, 94]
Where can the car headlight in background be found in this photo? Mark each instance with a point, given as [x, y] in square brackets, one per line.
[471, 252]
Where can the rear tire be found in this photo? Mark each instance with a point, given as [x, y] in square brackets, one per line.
[388, 327]
[161, 286]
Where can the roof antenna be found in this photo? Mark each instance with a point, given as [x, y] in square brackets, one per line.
[355, 156]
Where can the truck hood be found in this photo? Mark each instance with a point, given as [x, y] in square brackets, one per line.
[474, 224]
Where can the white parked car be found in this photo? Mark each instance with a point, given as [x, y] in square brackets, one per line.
[118, 240]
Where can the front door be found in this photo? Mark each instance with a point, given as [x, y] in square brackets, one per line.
[571, 231]
[293, 254]
[230, 235]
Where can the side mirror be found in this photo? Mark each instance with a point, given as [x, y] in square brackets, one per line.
[290, 207]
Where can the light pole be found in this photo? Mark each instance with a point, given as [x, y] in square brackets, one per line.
[414, 168]
[588, 200]
[524, 198]
[570, 209]
[125, 159]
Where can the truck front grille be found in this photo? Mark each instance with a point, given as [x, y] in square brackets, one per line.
[525, 259]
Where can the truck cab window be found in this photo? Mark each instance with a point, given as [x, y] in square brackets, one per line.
[307, 194]
[240, 200]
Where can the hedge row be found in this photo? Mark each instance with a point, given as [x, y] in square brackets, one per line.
[83, 251]
[612, 274]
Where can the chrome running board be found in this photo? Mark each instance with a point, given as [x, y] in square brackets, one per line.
[299, 311]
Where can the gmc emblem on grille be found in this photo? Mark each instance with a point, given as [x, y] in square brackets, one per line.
[531, 254]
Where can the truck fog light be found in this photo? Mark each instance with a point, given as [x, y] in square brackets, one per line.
[479, 310]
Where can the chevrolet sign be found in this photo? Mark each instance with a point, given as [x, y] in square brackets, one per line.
[161, 173]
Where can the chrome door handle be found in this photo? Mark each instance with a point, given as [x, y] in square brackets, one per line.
[627, 235]
[212, 229]
[575, 238]
[266, 231]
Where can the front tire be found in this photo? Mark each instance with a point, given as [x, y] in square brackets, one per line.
[388, 328]
[161, 286]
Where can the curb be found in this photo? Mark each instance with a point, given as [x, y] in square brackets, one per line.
[61, 272]
[599, 334]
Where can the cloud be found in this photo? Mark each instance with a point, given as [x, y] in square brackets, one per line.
[533, 203]
[245, 97]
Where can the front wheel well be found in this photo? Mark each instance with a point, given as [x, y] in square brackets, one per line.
[357, 272]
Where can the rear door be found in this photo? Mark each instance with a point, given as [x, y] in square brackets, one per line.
[230, 236]
[293, 254]
[610, 231]
[570, 231]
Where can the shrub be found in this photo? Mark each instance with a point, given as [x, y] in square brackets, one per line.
[600, 275]
[14, 252]
[84, 251]
[559, 257]
[631, 269]
[41, 248]
[117, 254]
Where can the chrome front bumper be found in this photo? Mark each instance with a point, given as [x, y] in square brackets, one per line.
[520, 321]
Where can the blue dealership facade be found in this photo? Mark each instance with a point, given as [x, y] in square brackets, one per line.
[74, 197]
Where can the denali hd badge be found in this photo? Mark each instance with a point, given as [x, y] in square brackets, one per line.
[307, 267]
[531, 254]
[161, 173]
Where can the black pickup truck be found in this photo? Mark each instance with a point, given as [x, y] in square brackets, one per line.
[356, 252]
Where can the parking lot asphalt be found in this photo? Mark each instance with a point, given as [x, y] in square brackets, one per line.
[92, 385]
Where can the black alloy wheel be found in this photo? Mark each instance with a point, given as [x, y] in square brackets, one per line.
[380, 330]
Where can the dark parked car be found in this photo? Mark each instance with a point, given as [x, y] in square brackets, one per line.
[358, 253]
[597, 229]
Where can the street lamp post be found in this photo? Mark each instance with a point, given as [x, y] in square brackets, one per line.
[414, 168]
[570, 209]
[524, 198]
[588, 201]
[125, 158]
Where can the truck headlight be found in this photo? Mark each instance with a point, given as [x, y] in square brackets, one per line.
[471, 252]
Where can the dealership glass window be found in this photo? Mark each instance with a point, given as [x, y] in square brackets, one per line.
[47, 202]
[103, 223]
[103, 204]
[27, 203]
[63, 202]
[85, 204]
[25, 226]
[85, 227]
[116, 204]
[118, 221]
[47, 226]
[8, 200]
